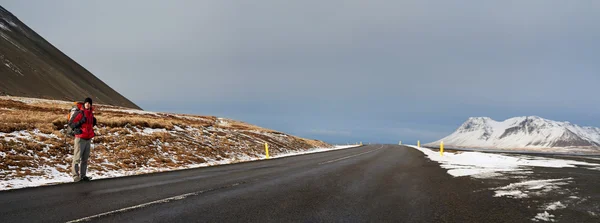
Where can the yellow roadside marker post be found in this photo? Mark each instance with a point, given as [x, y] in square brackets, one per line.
[400, 143]
[441, 148]
[361, 143]
[267, 150]
[419, 143]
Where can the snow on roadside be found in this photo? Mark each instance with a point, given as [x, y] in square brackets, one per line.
[555, 206]
[490, 166]
[484, 165]
[516, 190]
[543, 217]
[315, 150]
[53, 176]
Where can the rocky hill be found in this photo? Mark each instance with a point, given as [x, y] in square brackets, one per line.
[31, 67]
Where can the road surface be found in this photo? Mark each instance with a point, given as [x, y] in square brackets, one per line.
[375, 183]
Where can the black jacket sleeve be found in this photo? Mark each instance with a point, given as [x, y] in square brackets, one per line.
[95, 121]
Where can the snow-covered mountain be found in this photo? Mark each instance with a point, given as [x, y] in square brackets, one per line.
[529, 132]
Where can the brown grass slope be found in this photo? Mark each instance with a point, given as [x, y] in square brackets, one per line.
[32, 67]
[31, 137]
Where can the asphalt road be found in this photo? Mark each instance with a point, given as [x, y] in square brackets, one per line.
[375, 183]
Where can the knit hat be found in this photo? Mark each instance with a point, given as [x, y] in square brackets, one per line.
[87, 100]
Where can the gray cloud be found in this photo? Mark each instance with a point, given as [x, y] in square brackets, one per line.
[423, 66]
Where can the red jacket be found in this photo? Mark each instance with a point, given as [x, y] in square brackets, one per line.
[87, 128]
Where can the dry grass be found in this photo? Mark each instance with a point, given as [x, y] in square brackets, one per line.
[141, 122]
[17, 120]
[119, 145]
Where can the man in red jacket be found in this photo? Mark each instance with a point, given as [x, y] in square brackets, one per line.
[83, 123]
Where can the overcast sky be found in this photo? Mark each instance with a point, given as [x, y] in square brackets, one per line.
[340, 71]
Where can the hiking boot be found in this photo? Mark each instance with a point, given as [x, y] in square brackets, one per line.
[76, 179]
[86, 178]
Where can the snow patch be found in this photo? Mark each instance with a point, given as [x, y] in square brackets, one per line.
[543, 217]
[150, 131]
[511, 193]
[10, 22]
[555, 206]
[4, 27]
[26, 135]
[594, 168]
[223, 122]
[13, 67]
[524, 189]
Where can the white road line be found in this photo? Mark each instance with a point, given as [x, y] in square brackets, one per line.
[348, 157]
[166, 200]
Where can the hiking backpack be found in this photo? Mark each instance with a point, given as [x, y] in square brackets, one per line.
[70, 117]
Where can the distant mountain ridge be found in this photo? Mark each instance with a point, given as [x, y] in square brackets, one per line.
[32, 67]
[527, 132]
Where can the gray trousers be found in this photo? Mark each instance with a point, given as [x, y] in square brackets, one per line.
[80, 158]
